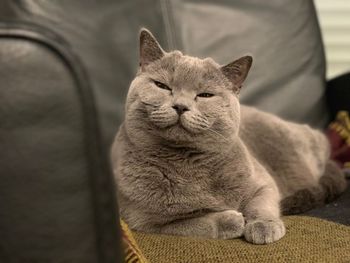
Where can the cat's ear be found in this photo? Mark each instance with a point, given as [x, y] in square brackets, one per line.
[237, 71]
[150, 50]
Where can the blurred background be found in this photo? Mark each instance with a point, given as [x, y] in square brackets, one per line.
[334, 18]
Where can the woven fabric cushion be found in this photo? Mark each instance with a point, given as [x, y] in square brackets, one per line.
[131, 250]
[308, 239]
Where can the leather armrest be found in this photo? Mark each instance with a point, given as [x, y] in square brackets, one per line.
[56, 193]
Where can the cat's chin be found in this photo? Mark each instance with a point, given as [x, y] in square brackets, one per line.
[177, 133]
[184, 127]
[179, 128]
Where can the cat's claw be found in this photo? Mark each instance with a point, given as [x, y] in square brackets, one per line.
[264, 231]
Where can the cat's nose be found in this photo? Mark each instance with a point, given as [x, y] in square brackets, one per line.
[180, 108]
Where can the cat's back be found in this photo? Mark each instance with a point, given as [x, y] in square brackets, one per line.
[261, 127]
[286, 149]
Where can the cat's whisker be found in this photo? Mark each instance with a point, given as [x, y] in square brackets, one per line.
[220, 135]
[200, 118]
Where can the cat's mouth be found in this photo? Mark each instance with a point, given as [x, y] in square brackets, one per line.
[189, 126]
[180, 125]
[186, 123]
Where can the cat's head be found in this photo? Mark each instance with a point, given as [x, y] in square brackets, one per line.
[181, 98]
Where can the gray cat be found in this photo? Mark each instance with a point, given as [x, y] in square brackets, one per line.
[190, 160]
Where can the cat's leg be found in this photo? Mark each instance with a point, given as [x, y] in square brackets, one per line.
[330, 186]
[262, 214]
[226, 224]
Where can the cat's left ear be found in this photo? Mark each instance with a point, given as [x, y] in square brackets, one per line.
[237, 71]
[150, 50]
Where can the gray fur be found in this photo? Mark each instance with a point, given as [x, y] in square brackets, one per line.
[220, 169]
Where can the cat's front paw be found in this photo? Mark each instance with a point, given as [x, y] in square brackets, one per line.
[264, 231]
[230, 224]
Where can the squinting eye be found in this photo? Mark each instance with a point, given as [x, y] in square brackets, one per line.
[161, 85]
[205, 95]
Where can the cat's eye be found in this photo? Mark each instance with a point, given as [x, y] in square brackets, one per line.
[205, 95]
[161, 85]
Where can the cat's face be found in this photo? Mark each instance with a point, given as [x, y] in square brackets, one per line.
[181, 98]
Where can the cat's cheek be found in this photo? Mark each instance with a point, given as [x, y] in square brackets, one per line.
[211, 113]
[152, 100]
[209, 104]
[153, 95]
[163, 117]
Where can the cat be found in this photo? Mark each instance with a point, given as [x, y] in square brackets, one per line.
[190, 160]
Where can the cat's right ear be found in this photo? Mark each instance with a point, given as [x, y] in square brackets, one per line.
[150, 50]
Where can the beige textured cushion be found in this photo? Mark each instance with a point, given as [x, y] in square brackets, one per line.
[307, 240]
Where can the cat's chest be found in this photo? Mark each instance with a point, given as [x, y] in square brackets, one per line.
[187, 183]
[204, 175]
[207, 186]
[184, 172]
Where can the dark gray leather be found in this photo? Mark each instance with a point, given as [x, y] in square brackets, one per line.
[337, 211]
[104, 34]
[282, 35]
[56, 191]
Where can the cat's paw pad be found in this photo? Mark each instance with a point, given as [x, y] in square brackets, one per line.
[264, 231]
[230, 224]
